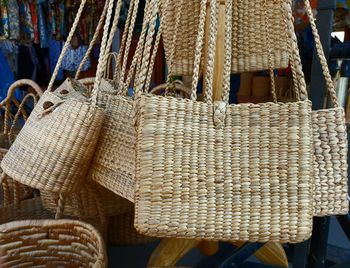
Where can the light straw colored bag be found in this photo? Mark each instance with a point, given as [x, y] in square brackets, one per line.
[225, 172]
[114, 161]
[249, 51]
[54, 149]
[55, 243]
[330, 144]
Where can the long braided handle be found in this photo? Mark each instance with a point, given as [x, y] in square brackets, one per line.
[321, 55]
[130, 30]
[94, 39]
[66, 45]
[198, 49]
[135, 64]
[103, 57]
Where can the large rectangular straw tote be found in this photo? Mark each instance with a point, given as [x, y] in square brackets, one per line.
[216, 171]
[54, 148]
[330, 145]
[249, 52]
[114, 161]
[51, 243]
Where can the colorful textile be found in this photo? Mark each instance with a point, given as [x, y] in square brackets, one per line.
[26, 26]
[13, 15]
[74, 57]
[4, 20]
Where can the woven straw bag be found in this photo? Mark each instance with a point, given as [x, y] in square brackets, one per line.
[54, 149]
[330, 145]
[84, 203]
[14, 191]
[56, 243]
[249, 51]
[224, 172]
[114, 161]
[121, 231]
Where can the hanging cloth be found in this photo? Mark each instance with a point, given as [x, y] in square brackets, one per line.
[13, 16]
[4, 20]
[26, 26]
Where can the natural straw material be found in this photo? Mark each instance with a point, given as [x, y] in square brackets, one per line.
[55, 243]
[121, 231]
[54, 149]
[114, 161]
[85, 202]
[224, 172]
[331, 145]
[249, 50]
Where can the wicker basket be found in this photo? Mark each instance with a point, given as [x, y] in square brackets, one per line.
[224, 172]
[249, 50]
[83, 204]
[56, 243]
[121, 231]
[330, 144]
[114, 161]
[54, 149]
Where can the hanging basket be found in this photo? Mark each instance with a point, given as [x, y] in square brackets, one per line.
[56, 243]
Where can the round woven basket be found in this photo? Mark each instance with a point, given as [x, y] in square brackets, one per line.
[85, 202]
[121, 231]
[51, 243]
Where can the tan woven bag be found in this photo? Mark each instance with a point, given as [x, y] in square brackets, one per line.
[249, 51]
[54, 149]
[55, 243]
[224, 172]
[114, 161]
[330, 144]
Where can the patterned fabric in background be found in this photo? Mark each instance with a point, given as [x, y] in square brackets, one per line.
[25, 19]
[74, 57]
[13, 15]
[4, 20]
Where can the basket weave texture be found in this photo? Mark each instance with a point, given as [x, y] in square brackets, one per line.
[85, 202]
[55, 243]
[54, 148]
[250, 180]
[249, 50]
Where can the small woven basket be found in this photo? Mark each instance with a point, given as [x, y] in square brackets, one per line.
[55, 243]
[121, 231]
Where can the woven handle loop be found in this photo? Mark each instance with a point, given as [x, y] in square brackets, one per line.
[106, 43]
[66, 45]
[321, 55]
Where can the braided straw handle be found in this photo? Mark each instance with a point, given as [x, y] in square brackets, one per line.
[106, 44]
[94, 40]
[66, 45]
[6, 103]
[321, 55]
[199, 48]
